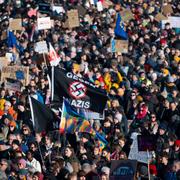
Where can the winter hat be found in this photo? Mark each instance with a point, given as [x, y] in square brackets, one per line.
[177, 142]
[143, 170]
[23, 172]
[163, 126]
[22, 162]
[153, 169]
[105, 170]
[86, 167]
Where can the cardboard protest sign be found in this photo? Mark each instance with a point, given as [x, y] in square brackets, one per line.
[12, 84]
[159, 17]
[44, 23]
[121, 46]
[81, 10]
[107, 3]
[3, 62]
[146, 143]
[167, 9]
[41, 47]
[123, 169]
[20, 73]
[127, 15]
[15, 24]
[3, 35]
[73, 18]
[9, 57]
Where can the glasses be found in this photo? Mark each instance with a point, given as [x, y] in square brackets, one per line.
[153, 117]
[133, 95]
[25, 130]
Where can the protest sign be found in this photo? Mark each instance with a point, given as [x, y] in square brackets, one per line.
[58, 9]
[91, 115]
[3, 62]
[121, 46]
[173, 20]
[135, 154]
[41, 47]
[127, 15]
[73, 18]
[107, 3]
[44, 23]
[16, 72]
[9, 57]
[167, 9]
[159, 17]
[123, 169]
[3, 35]
[12, 84]
[146, 143]
[99, 6]
[81, 10]
[15, 24]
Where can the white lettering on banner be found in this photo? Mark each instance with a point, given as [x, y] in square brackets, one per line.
[72, 76]
[80, 104]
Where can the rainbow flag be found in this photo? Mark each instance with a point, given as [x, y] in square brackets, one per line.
[72, 121]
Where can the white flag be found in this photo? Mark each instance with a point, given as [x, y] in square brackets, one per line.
[53, 56]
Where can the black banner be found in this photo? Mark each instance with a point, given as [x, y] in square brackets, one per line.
[80, 92]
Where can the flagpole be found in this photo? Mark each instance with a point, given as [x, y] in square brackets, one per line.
[32, 112]
[32, 117]
[148, 165]
[44, 57]
[52, 85]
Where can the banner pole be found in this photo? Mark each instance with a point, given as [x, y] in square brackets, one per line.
[52, 85]
[148, 165]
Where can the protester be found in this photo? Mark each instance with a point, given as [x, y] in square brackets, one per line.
[136, 87]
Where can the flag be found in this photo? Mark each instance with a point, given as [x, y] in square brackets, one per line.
[80, 92]
[119, 29]
[11, 40]
[53, 56]
[43, 118]
[101, 141]
[72, 121]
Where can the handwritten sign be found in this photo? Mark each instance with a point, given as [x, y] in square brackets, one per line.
[73, 18]
[12, 84]
[15, 24]
[17, 73]
[127, 15]
[99, 6]
[41, 47]
[123, 169]
[44, 23]
[121, 46]
[167, 9]
[159, 17]
[3, 62]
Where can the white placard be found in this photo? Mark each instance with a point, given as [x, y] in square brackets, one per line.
[92, 115]
[134, 154]
[41, 47]
[44, 23]
[174, 22]
[58, 9]
[99, 6]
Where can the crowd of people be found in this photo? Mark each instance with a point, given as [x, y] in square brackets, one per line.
[142, 85]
